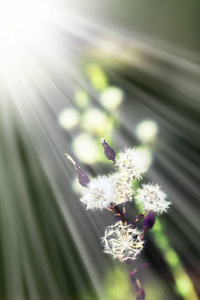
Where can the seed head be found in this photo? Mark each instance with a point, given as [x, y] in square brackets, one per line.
[153, 199]
[123, 188]
[99, 193]
[132, 162]
[122, 241]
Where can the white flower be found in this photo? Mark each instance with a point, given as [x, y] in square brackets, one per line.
[153, 199]
[122, 241]
[123, 188]
[99, 193]
[132, 162]
[147, 130]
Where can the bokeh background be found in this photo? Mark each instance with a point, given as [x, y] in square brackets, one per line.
[72, 72]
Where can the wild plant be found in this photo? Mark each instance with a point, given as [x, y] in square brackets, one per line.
[123, 240]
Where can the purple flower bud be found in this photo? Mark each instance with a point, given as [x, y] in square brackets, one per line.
[83, 178]
[149, 221]
[140, 294]
[109, 152]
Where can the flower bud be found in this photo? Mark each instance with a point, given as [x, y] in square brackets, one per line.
[140, 294]
[83, 178]
[109, 152]
[149, 221]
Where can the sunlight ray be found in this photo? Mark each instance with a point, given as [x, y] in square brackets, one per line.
[70, 224]
[28, 273]
[28, 219]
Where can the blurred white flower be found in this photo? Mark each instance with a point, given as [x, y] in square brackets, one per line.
[147, 130]
[112, 97]
[95, 120]
[122, 241]
[85, 148]
[123, 188]
[99, 193]
[153, 199]
[69, 118]
[132, 162]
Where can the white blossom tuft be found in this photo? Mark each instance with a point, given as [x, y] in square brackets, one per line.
[123, 188]
[122, 241]
[132, 162]
[99, 193]
[153, 199]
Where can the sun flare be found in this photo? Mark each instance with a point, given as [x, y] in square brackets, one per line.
[24, 27]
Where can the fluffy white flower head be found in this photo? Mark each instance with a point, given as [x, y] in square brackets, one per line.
[132, 162]
[123, 188]
[122, 241]
[99, 193]
[153, 199]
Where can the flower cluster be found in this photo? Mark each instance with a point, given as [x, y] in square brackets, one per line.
[104, 191]
[116, 188]
[122, 240]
